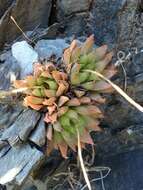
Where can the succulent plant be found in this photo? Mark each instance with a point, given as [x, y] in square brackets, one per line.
[69, 94]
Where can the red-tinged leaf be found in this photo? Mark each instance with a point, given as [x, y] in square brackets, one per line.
[62, 110]
[50, 93]
[38, 68]
[62, 100]
[34, 100]
[57, 126]
[33, 106]
[74, 76]
[57, 75]
[50, 147]
[86, 138]
[51, 109]
[101, 65]
[47, 118]
[53, 117]
[49, 67]
[88, 45]
[63, 147]
[85, 100]
[92, 124]
[61, 89]
[89, 111]
[110, 72]
[97, 98]
[67, 56]
[75, 54]
[79, 93]
[50, 101]
[31, 80]
[20, 83]
[49, 132]
[73, 45]
[50, 118]
[103, 86]
[73, 102]
[46, 74]
[100, 52]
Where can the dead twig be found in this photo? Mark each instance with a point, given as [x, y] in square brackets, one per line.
[81, 162]
[3, 94]
[26, 37]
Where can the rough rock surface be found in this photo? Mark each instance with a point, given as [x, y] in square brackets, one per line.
[47, 48]
[28, 14]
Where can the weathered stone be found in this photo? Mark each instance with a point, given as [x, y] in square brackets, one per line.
[76, 25]
[22, 127]
[8, 114]
[4, 4]
[17, 164]
[126, 171]
[25, 56]
[104, 20]
[8, 69]
[28, 16]
[46, 48]
[66, 8]
[39, 134]
[4, 150]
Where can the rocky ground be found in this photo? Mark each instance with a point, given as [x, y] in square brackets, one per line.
[120, 147]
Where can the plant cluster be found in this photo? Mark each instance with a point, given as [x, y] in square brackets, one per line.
[69, 94]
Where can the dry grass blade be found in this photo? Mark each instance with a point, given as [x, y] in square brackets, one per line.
[82, 163]
[26, 37]
[119, 90]
[3, 94]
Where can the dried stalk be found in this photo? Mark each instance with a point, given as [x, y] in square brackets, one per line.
[3, 94]
[82, 163]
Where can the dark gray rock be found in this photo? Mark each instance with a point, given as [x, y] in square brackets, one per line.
[28, 16]
[47, 48]
[126, 171]
[8, 114]
[4, 4]
[66, 8]
[9, 69]
[21, 128]
[39, 135]
[17, 164]
[104, 20]
[74, 16]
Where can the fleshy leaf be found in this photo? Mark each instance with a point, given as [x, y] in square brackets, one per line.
[62, 100]
[88, 44]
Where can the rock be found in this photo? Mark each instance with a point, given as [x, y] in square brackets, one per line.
[21, 128]
[8, 114]
[9, 70]
[126, 171]
[72, 26]
[39, 135]
[104, 20]
[4, 150]
[28, 16]
[46, 48]
[4, 4]
[25, 55]
[17, 164]
[66, 8]
[74, 16]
